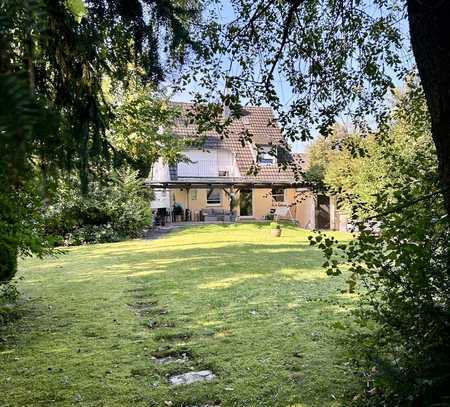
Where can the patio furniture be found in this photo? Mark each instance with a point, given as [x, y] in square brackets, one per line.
[216, 215]
[177, 213]
[213, 215]
[196, 216]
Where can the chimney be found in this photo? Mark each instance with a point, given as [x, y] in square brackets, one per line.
[226, 111]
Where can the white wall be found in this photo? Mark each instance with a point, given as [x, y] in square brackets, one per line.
[161, 199]
[160, 172]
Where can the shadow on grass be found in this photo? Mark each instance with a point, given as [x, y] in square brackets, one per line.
[224, 261]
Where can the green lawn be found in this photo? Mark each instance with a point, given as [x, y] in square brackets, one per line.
[256, 310]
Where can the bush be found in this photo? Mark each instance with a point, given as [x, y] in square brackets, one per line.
[405, 301]
[275, 225]
[401, 344]
[115, 208]
[22, 229]
[92, 234]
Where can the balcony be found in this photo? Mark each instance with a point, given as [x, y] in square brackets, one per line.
[207, 169]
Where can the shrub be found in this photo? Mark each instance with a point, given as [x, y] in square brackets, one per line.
[402, 341]
[8, 260]
[92, 234]
[115, 208]
[405, 301]
[275, 225]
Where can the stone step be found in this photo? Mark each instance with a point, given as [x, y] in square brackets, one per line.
[192, 377]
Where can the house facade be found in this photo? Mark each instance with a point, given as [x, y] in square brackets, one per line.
[228, 178]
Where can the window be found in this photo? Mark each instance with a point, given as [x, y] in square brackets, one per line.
[213, 196]
[223, 173]
[194, 194]
[265, 156]
[278, 194]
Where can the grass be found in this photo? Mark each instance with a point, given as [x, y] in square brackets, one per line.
[256, 310]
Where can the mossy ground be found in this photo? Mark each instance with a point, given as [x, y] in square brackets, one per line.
[256, 310]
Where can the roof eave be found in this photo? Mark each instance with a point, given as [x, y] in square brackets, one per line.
[224, 183]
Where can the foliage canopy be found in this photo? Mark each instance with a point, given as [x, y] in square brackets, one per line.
[54, 58]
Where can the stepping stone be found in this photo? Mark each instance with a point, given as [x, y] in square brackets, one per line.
[169, 359]
[143, 304]
[192, 377]
[152, 324]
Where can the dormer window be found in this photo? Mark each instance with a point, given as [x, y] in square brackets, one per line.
[265, 155]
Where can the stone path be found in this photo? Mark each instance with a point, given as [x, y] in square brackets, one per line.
[160, 231]
[146, 306]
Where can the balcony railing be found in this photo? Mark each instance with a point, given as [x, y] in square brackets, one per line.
[206, 168]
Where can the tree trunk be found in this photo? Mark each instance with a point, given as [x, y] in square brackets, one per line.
[429, 25]
[8, 260]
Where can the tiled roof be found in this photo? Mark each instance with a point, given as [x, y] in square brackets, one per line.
[260, 123]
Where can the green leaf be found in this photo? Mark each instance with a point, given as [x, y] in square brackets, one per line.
[77, 8]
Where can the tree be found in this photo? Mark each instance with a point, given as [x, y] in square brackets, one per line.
[53, 113]
[401, 272]
[337, 57]
[354, 168]
[141, 131]
[430, 40]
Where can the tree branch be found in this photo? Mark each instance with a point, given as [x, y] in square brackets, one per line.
[398, 208]
[260, 9]
[295, 4]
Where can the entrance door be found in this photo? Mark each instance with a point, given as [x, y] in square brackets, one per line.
[323, 212]
[245, 202]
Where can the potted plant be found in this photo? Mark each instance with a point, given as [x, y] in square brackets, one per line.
[275, 229]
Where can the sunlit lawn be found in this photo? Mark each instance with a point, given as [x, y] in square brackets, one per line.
[256, 310]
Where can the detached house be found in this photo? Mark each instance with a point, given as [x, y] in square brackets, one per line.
[218, 181]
